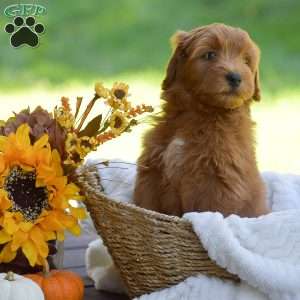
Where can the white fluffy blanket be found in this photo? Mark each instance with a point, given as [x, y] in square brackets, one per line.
[264, 252]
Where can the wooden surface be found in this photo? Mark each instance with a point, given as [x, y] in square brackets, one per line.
[74, 260]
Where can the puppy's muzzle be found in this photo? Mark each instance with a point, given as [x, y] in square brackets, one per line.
[234, 79]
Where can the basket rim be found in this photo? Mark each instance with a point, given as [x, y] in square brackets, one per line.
[95, 190]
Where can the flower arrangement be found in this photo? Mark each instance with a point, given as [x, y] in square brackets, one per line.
[39, 152]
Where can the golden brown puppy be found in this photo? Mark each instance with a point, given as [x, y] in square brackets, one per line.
[201, 154]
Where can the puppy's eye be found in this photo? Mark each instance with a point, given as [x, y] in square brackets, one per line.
[210, 55]
[247, 60]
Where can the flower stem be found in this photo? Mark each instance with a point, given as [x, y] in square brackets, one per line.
[46, 268]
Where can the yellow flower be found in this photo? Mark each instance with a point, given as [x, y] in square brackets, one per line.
[87, 144]
[34, 197]
[118, 122]
[126, 105]
[71, 141]
[4, 201]
[100, 90]
[64, 117]
[78, 148]
[119, 90]
[123, 105]
[113, 103]
[75, 157]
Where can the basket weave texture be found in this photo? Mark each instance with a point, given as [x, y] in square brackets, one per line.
[151, 250]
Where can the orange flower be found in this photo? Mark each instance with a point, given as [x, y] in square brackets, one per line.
[139, 109]
[104, 137]
[65, 103]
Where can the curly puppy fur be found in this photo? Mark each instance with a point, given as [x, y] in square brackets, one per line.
[200, 156]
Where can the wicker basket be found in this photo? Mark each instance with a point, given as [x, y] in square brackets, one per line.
[151, 250]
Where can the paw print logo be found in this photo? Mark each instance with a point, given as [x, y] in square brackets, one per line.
[24, 32]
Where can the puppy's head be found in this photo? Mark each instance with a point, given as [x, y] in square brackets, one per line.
[216, 64]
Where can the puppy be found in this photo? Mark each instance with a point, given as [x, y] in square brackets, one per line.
[200, 156]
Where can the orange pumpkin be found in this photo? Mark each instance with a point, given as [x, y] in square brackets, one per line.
[59, 284]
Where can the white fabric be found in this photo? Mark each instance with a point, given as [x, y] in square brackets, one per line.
[264, 251]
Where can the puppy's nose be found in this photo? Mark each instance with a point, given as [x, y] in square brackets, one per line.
[234, 79]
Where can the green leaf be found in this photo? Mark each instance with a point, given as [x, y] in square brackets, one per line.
[92, 127]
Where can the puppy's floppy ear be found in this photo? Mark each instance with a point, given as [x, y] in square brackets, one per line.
[177, 38]
[256, 95]
[178, 54]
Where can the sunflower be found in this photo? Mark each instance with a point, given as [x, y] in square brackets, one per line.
[120, 90]
[118, 122]
[77, 148]
[100, 90]
[34, 197]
